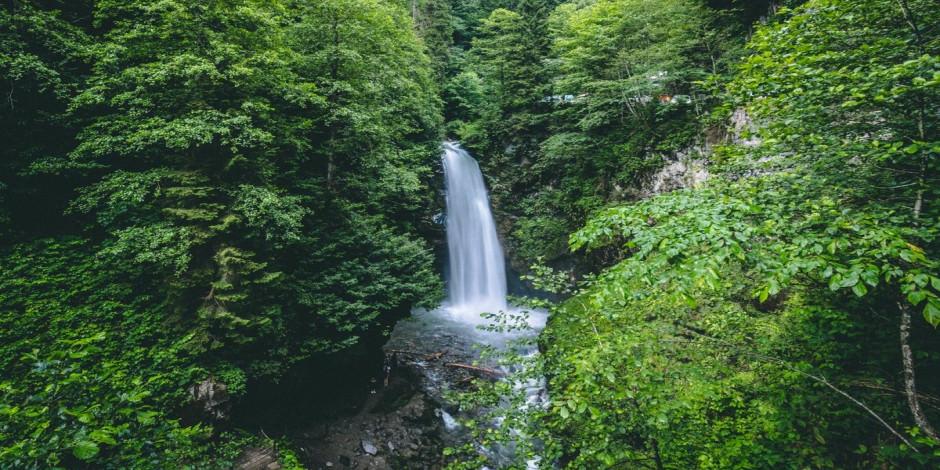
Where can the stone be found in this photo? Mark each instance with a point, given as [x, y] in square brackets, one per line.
[369, 448]
[212, 398]
[741, 124]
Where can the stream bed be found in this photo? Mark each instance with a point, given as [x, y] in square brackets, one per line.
[408, 420]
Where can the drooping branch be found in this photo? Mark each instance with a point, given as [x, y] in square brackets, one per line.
[926, 400]
[484, 370]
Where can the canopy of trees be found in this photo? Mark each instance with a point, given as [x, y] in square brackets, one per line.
[240, 192]
[199, 189]
[781, 314]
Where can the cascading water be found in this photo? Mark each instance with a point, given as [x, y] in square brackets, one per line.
[478, 272]
[438, 344]
[477, 268]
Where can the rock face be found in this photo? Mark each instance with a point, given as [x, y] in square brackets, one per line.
[686, 169]
[743, 129]
[212, 399]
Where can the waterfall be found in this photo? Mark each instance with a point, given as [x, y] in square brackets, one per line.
[454, 333]
[477, 280]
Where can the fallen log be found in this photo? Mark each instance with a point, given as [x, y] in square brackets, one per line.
[426, 356]
[475, 368]
[402, 351]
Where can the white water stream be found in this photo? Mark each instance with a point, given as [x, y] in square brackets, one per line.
[477, 274]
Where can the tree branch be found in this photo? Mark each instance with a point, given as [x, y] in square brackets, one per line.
[493, 372]
[817, 378]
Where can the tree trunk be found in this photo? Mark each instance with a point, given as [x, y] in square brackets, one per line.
[907, 357]
[656, 457]
[910, 388]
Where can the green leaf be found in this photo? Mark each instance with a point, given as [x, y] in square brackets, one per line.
[850, 280]
[932, 311]
[103, 437]
[870, 276]
[146, 417]
[835, 282]
[764, 293]
[859, 289]
[915, 297]
[85, 450]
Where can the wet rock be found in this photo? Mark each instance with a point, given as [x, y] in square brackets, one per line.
[317, 431]
[211, 398]
[397, 427]
[408, 439]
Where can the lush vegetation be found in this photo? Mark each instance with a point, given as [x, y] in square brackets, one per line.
[780, 315]
[572, 107]
[198, 190]
[238, 191]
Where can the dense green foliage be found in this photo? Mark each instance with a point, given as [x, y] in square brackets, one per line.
[779, 315]
[745, 314]
[239, 192]
[574, 106]
[214, 189]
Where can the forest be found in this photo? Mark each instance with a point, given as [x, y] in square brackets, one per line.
[215, 214]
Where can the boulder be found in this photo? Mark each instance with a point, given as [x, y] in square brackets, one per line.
[212, 399]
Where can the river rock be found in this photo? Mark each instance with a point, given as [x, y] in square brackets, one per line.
[369, 448]
[400, 415]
